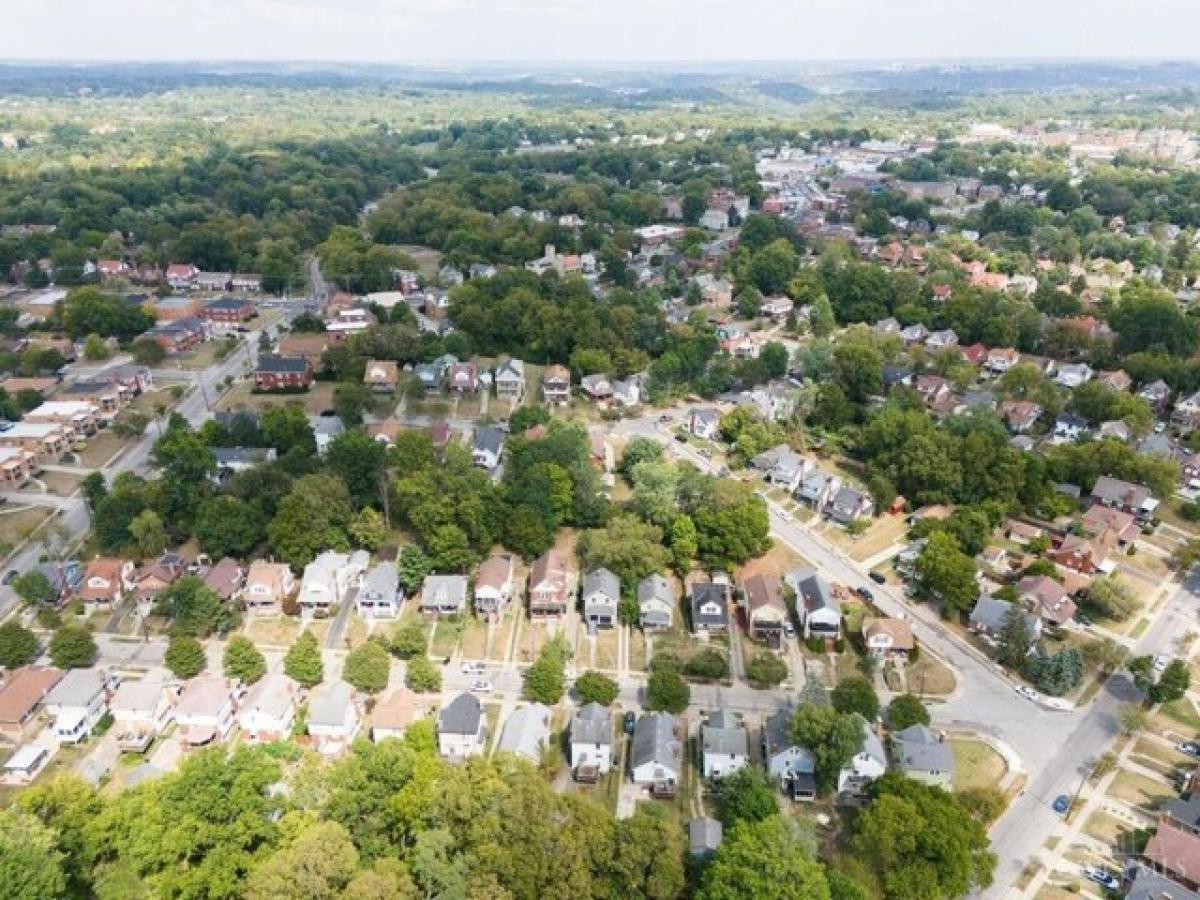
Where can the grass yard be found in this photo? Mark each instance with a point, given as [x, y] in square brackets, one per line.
[474, 639]
[777, 561]
[273, 632]
[503, 634]
[18, 522]
[1159, 757]
[491, 712]
[428, 260]
[883, 533]
[637, 650]
[607, 642]
[446, 635]
[1105, 828]
[930, 676]
[101, 447]
[529, 645]
[319, 397]
[1181, 712]
[1138, 790]
[64, 484]
[976, 764]
[202, 357]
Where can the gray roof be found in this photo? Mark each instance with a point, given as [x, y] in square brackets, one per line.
[489, 439]
[137, 696]
[461, 715]
[812, 591]
[602, 581]
[592, 724]
[511, 370]
[1185, 810]
[702, 593]
[871, 745]
[441, 591]
[328, 708]
[917, 748]
[704, 836]
[249, 455]
[1149, 885]
[656, 599]
[990, 612]
[77, 688]
[777, 731]
[654, 741]
[723, 733]
[527, 731]
[383, 581]
[269, 362]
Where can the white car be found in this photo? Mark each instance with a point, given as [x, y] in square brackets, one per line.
[1160, 427]
[481, 686]
[1160, 662]
[473, 667]
[1102, 878]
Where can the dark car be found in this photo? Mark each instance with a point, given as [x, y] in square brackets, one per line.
[877, 577]
[864, 593]
[10, 576]
[1191, 748]
[629, 721]
[1061, 804]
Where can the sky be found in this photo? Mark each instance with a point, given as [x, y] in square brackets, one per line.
[530, 31]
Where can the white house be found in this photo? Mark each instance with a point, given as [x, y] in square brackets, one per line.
[206, 711]
[141, 710]
[1072, 375]
[591, 742]
[461, 728]
[493, 585]
[705, 423]
[334, 717]
[443, 595]
[655, 757]
[815, 602]
[790, 764]
[600, 595]
[268, 711]
[328, 579]
[724, 745]
[77, 703]
[379, 597]
[527, 732]
[869, 763]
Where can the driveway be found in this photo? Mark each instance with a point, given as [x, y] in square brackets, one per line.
[100, 760]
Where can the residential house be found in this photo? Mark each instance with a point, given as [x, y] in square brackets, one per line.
[141, 711]
[940, 340]
[381, 375]
[463, 378]
[106, 580]
[549, 585]
[306, 345]
[444, 595]
[1069, 427]
[228, 312]
[556, 385]
[151, 580]
[1143, 883]
[710, 611]
[849, 505]
[656, 755]
[789, 763]
[656, 602]
[597, 388]
[914, 334]
[65, 578]
[990, 613]
[493, 585]
[380, 597]
[268, 584]
[766, 612]
[510, 380]
[26, 763]
[21, 693]
[347, 322]
[705, 423]
[1020, 415]
[724, 744]
[867, 764]
[240, 459]
[206, 710]
[268, 711]
[923, 756]
[1072, 375]
[461, 728]
[327, 580]
[1088, 556]
[816, 604]
[1047, 598]
[1101, 520]
[705, 836]
[715, 219]
[782, 466]
[488, 447]
[527, 732]
[591, 740]
[1175, 852]
[1118, 380]
[282, 373]
[1135, 499]
[1001, 359]
[1156, 393]
[887, 638]
[777, 308]
[817, 488]
[334, 718]
[629, 391]
[77, 703]
[181, 276]
[16, 467]
[47, 442]
[392, 715]
[80, 416]
[601, 594]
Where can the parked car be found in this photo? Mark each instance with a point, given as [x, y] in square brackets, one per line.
[473, 667]
[1061, 804]
[10, 576]
[1160, 662]
[877, 577]
[1104, 879]
[481, 686]
[682, 438]
[865, 593]
[789, 629]
[1191, 748]
[629, 721]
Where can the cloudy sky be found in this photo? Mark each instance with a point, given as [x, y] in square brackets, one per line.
[398, 31]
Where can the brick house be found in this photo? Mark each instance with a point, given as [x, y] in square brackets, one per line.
[279, 373]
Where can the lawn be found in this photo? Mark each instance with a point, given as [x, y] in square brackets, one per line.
[930, 676]
[273, 632]
[607, 642]
[474, 640]
[17, 523]
[446, 634]
[883, 533]
[976, 764]
[427, 259]
[1105, 828]
[202, 357]
[1159, 757]
[502, 637]
[101, 447]
[1182, 712]
[64, 484]
[1138, 790]
[637, 650]
[319, 397]
[529, 645]
[491, 712]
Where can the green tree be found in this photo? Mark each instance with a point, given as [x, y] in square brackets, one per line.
[243, 660]
[1055, 674]
[311, 518]
[367, 529]
[149, 534]
[228, 526]
[595, 687]
[303, 661]
[31, 866]
[648, 852]
[34, 588]
[1111, 597]
[1016, 638]
[748, 795]
[1172, 683]
[367, 667]
[319, 862]
[906, 710]
[1141, 670]
[820, 318]
[628, 547]
[18, 645]
[1132, 717]
[684, 543]
[72, 647]
[422, 676]
[411, 639]
[767, 860]
[185, 656]
[666, 690]
[94, 348]
[855, 694]
[946, 574]
[413, 566]
[545, 680]
[766, 670]
[831, 737]
[195, 608]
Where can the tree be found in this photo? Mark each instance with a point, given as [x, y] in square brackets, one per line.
[767, 860]
[855, 694]
[318, 863]
[18, 645]
[368, 529]
[595, 687]
[946, 574]
[647, 857]
[748, 795]
[1016, 638]
[666, 690]
[243, 661]
[422, 676]
[149, 534]
[303, 661]
[773, 267]
[1132, 717]
[820, 317]
[1111, 597]
[831, 737]
[228, 526]
[413, 566]
[766, 670]
[410, 639]
[906, 710]
[94, 348]
[185, 656]
[628, 547]
[684, 544]
[147, 352]
[1172, 683]
[195, 608]
[921, 842]
[31, 865]
[638, 450]
[311, 518]
[1058, 673]
[72, 647]
[1141, 670]
[545, 680]
[360, 461]
[34, 588]
[367, 667]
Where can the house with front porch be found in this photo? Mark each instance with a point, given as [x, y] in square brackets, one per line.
[268, 584]
[494, 585]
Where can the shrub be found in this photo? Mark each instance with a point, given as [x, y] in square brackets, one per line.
[367, 667]
[185, 656]
[710, 664]
[422, 676]
[766, 670]
[594, 687]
